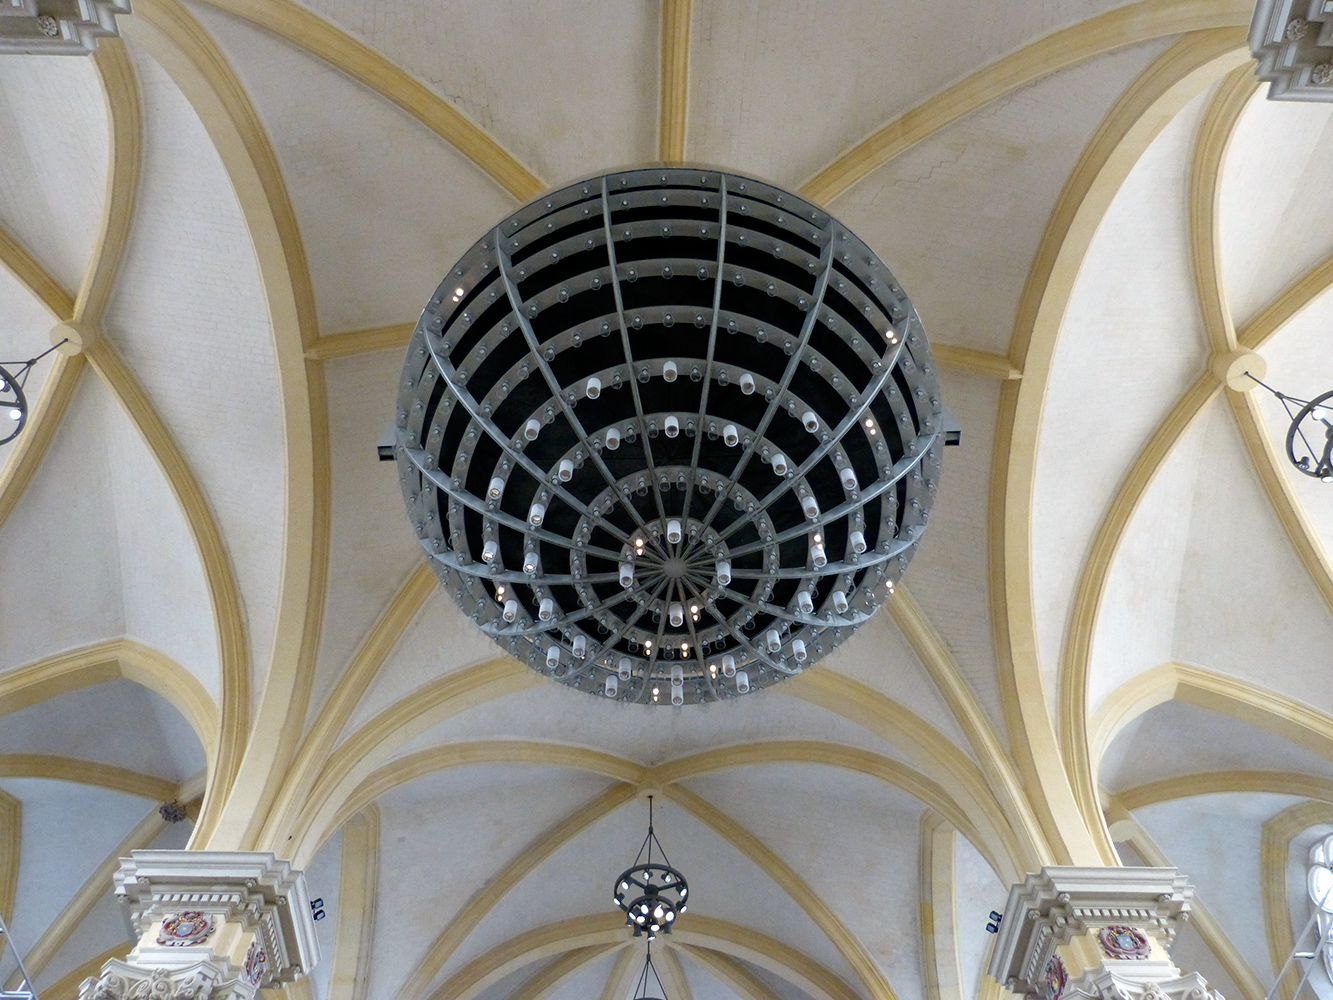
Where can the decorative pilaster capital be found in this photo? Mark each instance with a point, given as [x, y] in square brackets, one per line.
[214, 925]
[1095, 928]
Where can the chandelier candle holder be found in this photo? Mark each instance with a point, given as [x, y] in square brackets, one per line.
[669, 435]
[651, 893]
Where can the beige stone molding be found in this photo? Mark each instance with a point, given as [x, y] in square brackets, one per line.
[320, 38]
[1114, 29]
[1067, 801]
[675, 80]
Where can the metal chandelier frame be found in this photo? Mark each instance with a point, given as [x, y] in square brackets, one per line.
[695, 582]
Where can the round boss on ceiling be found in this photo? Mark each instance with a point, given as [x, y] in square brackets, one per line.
[669, 435]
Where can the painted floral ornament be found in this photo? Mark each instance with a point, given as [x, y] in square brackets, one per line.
[1123, 942]
[256, 963]
[183, 929]
[1056, 977]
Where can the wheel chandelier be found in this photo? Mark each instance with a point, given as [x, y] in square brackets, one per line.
[651, 893]
[669, 435]
[13, 400]
[1310, 433]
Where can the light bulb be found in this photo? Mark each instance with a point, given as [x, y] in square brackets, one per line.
[612, 439]
[594, 387]
[677, 615]
[497, 487]
[490, 550]
[729, 666]
[723, 572]
[627, 575]
[612, 687]
[511, 610]
[566, 470]
[840, 602]
[805, 602]
[848, 475]
[798, 650]
[772, 641]
[858, 541]
[671, 426]
[810, 421]
[669, 371]
[747, 383]
[553, 656]
[810, 506]
[673, 532]
[536, 514]
[623, 668]
[780, 464]
[532, 428]
[742, 687]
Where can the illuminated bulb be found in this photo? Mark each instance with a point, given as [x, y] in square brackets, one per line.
[677, 615]
[623, 668]
[511, 610]
[810, 421]
[805, 602]
[612, 688]
[747, 383]
[594, 387]
[673, 533]
[694, 609]
[729, 666]
[565, 472]
[798, 650]
[772, 641]
[810, 506]
[671, 426]
[891, 335]
[858, 541]
[536, 514]
[742, 687]
[731, 436]
[848, 475]
[840, 602]
[580, 646]
[627, 575]
[532, 428]
[779, 464]
[497, 487]
[612, 439]
[723, 572]
[459, 292]
[499, 591]
[669, 371]
[490, 550]
[546, 610]
[530, 563]
[553, 656]
[818, 559]
[712, 669]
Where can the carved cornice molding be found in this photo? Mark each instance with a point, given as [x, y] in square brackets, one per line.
[72, 29]
[1293, 41]
[1048, 910]
[260, 893]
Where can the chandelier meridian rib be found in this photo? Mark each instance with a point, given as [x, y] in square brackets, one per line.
[652, 894]
[669, 435]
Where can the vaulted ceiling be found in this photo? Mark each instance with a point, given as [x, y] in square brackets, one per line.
[1111, 648]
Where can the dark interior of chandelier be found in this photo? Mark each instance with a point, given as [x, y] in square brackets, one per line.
[669, 435]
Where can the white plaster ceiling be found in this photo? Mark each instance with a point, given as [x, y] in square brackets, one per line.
[97, 546]
[53, 174]
[1131, 343]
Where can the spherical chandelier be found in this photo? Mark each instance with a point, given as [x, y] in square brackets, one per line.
[669, 435]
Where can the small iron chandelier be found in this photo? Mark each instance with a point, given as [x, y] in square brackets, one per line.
[651, 893]
[1312, 459]
[13, 400]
